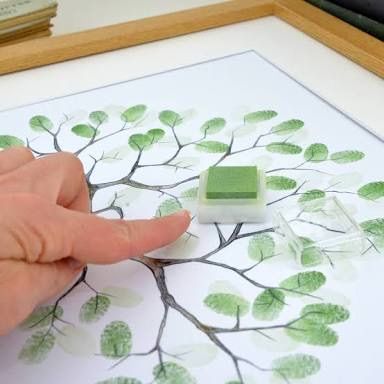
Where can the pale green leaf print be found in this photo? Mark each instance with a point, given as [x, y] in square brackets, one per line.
[288, 127]
[76, 341]
[168, 207]
[213, 126]
[42, 317]
[37, 347]
[372, 191]
[139, 141]
[116, 340]
[40, 123]
[122, 297]
[170, 118]
[212, 147]
[155, 135]
[280, 183]
[259, 116]
[94, 309]
[133, 114]
[316, 153]
[312, 200]
[98, 117]
[312, 332]
[8, 141]
[284, 148]
[116, 154]
[311, 255]
[303, 282]
[296, 366]
[343, 157]
[84, 130]
[227, 304]
[261, 246]
[190, 194]
[172, 373]
[268, 304]
[325, 313]
[194, 355]
[120, 380]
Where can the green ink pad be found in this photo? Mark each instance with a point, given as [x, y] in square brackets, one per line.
[232, 183]
[232, 194]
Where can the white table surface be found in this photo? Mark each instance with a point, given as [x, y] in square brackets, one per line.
[346, 85]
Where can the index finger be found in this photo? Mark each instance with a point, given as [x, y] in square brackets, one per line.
[35, 230]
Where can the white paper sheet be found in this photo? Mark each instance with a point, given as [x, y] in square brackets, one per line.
[204, 283]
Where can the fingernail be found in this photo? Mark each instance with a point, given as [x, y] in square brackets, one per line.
[75, 264]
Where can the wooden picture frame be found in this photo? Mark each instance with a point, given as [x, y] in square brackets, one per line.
[358, 46]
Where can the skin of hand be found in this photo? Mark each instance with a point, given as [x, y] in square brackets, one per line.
[47, 234]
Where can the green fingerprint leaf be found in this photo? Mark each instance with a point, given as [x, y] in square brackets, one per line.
[190, 194]
[287, 127]
[133, 114]
[168, 207]
[212, 147]
[213, 126]
[372, 191]
[120, 380]
[155, 135]
[261, 246]
[227, 304]
[374, 227]
[42, 317]
[172, 373]
[98, 117]
[116, 340]
[343, 157]
[170, 118]
[311, 255]
[316, 152]
[268, 304]
[313, 194]
[304, 282]
[257, 117]
[139, 141]
[40, 123]
[296, 366]
[7, 141]
[84, 130]
[284, 148]
[280, 183]
[325, 313]
[94, 309]
[313, 333]
[37, 347]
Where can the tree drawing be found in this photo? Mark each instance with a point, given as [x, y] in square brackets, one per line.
[219, 142]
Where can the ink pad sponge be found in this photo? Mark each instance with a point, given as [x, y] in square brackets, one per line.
[233, 194]
[232, 183]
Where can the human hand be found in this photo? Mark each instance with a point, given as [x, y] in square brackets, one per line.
[47, 234]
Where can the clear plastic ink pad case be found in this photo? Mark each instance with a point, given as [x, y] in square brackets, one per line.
[319, 230]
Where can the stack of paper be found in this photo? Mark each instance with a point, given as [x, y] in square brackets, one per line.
[22, 20]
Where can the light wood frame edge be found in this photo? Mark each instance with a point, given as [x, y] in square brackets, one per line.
[345, 39]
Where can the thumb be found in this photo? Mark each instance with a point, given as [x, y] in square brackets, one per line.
[23, 286]
[36, 230]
